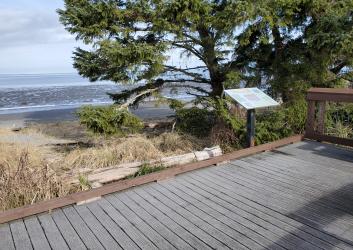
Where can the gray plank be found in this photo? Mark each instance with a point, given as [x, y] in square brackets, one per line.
[290, 226]
[191, 239]
[20, 235]
[208, 240]
[247, 171]
[6, 241]
[148, 231]
[164, 231]
[282, 172]
[221, 222]
[251, 212]
[316, 208]
[331, 170]
[321, 153]
[36, 234]
[312, 203]
[99, 231]
[273, 204]
[82, 229]
[257, 224]
[52, 233]
[308, 166]
[67, 231]
[196, 218]
[129, 228]
[114, 229]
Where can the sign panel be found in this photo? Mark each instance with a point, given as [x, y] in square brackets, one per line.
[251, 98]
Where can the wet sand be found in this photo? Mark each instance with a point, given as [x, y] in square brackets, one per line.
[146, 111]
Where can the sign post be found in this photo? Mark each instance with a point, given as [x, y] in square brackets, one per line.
[250, 127]
[250, 99]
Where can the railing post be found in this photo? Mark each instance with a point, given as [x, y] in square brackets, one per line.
[321, 118]
[310, 121]
[315, 127]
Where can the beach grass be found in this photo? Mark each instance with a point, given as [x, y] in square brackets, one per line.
[26, 177]
[37, 162]
[130, 149]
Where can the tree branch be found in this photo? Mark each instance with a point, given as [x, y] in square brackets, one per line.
[186, 72]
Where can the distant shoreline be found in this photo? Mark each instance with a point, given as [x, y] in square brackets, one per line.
[145, 111]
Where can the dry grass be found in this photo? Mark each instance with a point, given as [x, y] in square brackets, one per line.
[5, 131]
[223, 135]
[25, 177]
[130, 149]
[32, 171]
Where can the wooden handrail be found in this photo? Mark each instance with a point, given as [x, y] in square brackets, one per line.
[315, 123]
[330, 95]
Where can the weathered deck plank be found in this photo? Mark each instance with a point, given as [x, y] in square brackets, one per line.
[167, 221]
[82, 229]
[67, 231]
[262, 212]
[6, 241]
[296, 197]
[36, 234]
[20, 235]
[169, 235]
[52, 233]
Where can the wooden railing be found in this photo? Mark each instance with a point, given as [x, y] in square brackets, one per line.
[317, 101]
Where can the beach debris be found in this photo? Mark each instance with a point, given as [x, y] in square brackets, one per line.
[106, 175]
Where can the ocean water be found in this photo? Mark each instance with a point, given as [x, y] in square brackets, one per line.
[32, 92]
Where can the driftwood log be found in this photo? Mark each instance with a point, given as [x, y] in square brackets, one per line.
[106, 175]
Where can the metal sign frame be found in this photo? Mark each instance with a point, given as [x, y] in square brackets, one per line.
[250, 99]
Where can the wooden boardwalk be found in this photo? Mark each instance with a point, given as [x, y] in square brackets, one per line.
[296, 197]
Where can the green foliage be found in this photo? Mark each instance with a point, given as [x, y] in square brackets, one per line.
[297, 44]
[282, 122]
[146, 169]
[339, 119]
[109, 120]
[84, 183]
[295, 115]
[271, 126]
[285, 46]
[339, 129]
[195, 121]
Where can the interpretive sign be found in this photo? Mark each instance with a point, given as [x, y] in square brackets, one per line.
[251, 98]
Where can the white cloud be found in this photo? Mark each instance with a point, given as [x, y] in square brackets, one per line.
[20, 27]
[32, 40]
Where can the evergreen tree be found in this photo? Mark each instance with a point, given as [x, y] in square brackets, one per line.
[296, 44]
[283, 45]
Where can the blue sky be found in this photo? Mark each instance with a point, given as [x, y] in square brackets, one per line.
[32, 39]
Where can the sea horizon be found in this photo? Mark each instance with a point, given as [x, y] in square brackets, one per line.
[29, 92]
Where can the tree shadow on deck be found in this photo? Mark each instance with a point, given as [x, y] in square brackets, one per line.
[322, 221]
[328, 150]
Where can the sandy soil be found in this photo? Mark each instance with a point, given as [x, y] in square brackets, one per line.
[146, 111]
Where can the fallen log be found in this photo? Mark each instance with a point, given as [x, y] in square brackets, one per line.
[106, 175]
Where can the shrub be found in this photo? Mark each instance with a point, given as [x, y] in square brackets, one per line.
[340, 113]
[295, 115]
[223, 135]
[108, 120]
[195, 121]
[339, 129]
[271, 126]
